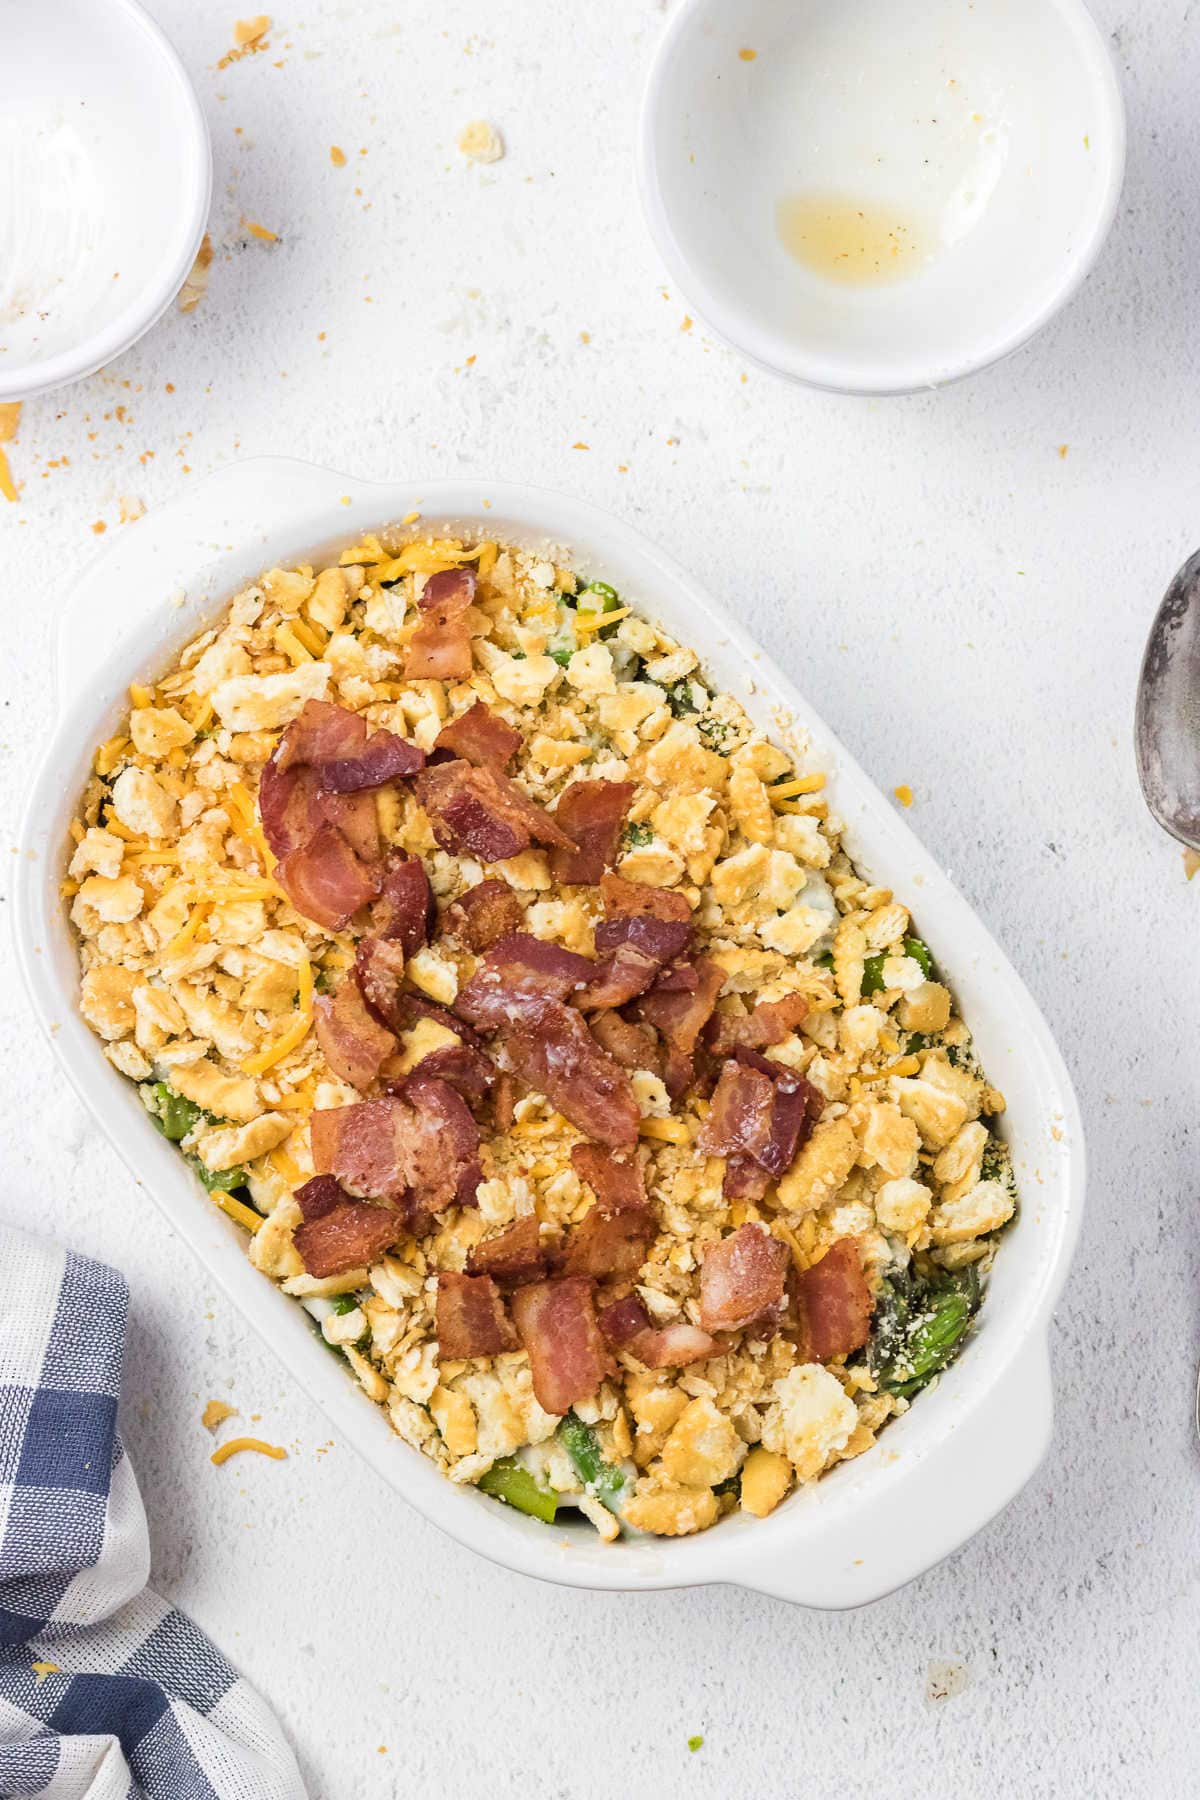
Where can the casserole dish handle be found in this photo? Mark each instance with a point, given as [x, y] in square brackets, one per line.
[959, 1485]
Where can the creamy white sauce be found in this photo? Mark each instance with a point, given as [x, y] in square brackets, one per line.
[56, 280]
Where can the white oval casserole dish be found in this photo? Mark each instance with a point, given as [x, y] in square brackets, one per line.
[966, 1448]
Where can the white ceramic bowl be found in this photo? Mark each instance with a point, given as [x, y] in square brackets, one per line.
[989, 137]
[96, 106]
[966, 1448]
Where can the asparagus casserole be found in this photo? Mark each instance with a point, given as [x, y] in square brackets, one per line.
[518, 999]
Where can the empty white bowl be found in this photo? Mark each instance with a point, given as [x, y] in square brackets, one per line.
[945, 172]
[105, 177]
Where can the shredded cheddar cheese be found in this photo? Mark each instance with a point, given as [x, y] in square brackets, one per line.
[596, 621]
[109, 755]
[188, 929]
[288, 641]
[236, 1445]
[668, 1131]
[215, 1413]
[801, 784]
[242, 1215]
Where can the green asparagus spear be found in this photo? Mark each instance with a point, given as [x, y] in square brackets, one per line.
[510, 1481]
[583, 1447]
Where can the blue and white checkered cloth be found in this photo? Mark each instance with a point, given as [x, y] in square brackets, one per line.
[130, 1698]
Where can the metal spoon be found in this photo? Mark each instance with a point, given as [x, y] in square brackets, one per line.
[1167, 722]
[1167, 719]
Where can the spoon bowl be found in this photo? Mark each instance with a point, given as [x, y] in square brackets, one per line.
[1167, 718]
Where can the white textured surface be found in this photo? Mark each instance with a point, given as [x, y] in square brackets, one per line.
[967, 608]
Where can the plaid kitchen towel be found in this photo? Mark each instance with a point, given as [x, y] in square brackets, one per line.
[106, 1693]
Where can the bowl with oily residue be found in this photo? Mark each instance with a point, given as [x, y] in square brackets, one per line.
[877, 196]
[105, 177]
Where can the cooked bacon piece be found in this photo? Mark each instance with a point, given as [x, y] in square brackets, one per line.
[633, 1046]
[466, 1069]
[413, 1146]
[615, 1180]
[321, 733]
[833, 1304]
[626, 1324]
[552, 1050]
[592, 813]
[317, 773]
[741, 1281]
[289, 804]
[355, 816]
[354, 1044]
[607, 1244]
[480, 737]
[632, 898]
[485, 913]
[681, 1001]
[405, 908]
[360, 1145]
[624, 1321]
[504, 1101]
[325, 880]
[659, 939]
[613, 1236]
[413, 1006]
[483, 813]
[516, 968]
[379, 970]
[744, 1179]
[383, 757]
[319, 1196]
[350, 1236]
[466, 1193]
[443, 1145]
[769, 1023]
[679, 1072]
[471, 1320]
[620, 978]
[761, 1111]
[440, 647]
[514, 1256]
[557, 1325]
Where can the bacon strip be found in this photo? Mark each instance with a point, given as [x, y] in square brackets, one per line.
[635, 898]
[384, 757]
[319, 1196]
[415, 1146]
[379, 970]
[514, 1257]
[833, 1304]
[353, 1043]
[616, 1182]
[482, 813]
[480, 737]
[515, 969]
[592, 814]
[325, 880]
[485, 913]
[761, 1113]
[620, 978]
[348, 1237]
[633, 1046]
[440, 647]
[606, 1245]
[681, 1001]
[556, 1321]
[626, 1324]
[742, 1281]
[769, 1023]
[552, 1050]
[471, 1320]
[464, 1068]
[405, 909]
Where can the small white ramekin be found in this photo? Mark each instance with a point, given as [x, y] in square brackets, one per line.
[104, 68]
[936, 1475]
[723, 137]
